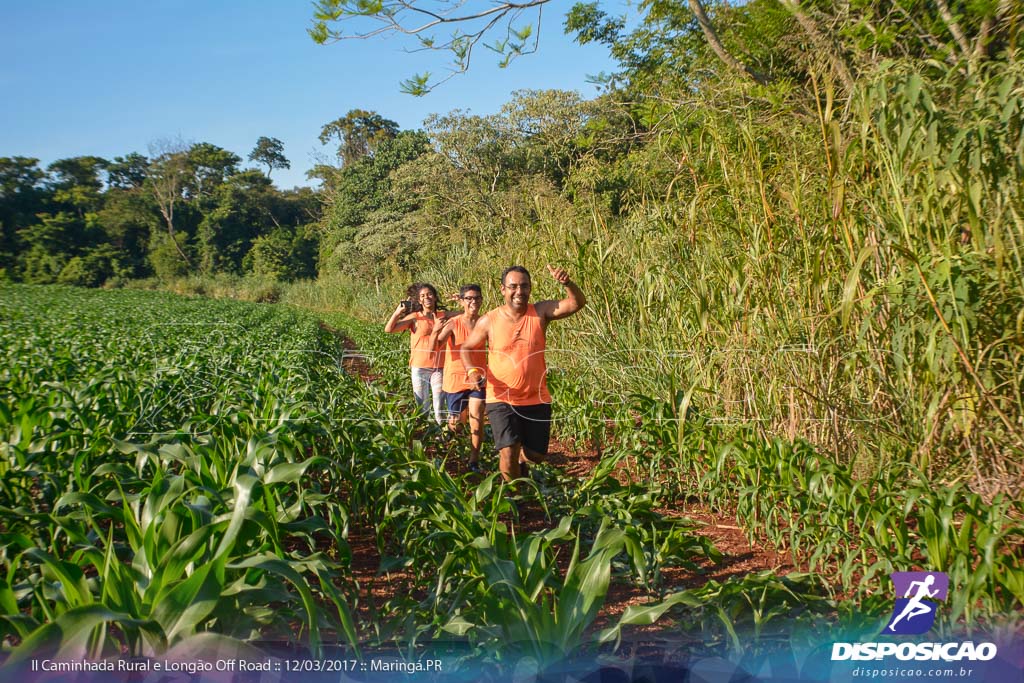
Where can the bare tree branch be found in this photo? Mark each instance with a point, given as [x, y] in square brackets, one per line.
[954, 27]
[420, 19]
[824, 45]
[166, 179]
[719, 49]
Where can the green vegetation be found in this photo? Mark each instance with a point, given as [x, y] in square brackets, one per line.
[802, 252]
[175, 467]
[830, 253]
[174, 478]
[164, 473]
[187, 210]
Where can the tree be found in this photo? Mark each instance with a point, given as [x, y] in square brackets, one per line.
[77, 182]
[208, 166]
[241, 211]
[284, 254]
[167, 176]
[166, 255]
[94, 267]
[78, 171]
[359, 133]
[269, 151]
[420, 18]
[22, 196]
[828, 31]
[19, 176]
[478, 146]
[716, 44]
[47, 245]
[127, 172]
[128, 220]
[361, 189]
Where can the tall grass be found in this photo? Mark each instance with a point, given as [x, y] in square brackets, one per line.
[850, 274]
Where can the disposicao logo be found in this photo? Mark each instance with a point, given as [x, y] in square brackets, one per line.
[914, 614]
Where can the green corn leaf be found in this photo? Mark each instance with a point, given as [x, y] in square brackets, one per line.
[183, 606]
[244, 484]
[69, 636]
[290, 472]
[644, 615]
[70, 578]
[274, 565]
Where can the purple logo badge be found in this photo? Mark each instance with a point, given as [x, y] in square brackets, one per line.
[914, 612]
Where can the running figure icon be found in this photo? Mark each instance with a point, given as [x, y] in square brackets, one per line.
[916, 607]
[914, 612]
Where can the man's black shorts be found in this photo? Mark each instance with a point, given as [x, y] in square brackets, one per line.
[527, 425]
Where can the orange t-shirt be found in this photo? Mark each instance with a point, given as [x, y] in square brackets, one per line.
[516, 371]
[455, 377]
[421, 353]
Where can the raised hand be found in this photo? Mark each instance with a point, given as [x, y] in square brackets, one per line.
[560, 274]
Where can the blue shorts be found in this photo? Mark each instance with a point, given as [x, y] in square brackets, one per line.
[458, 400]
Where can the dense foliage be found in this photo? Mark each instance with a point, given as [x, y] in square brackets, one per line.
[177, 468]
[186, 210]
[831, 252]
[799, 228]
[164, 472]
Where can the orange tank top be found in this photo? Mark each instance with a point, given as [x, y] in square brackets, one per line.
[455, 376]
[516, 372]
[421, 353]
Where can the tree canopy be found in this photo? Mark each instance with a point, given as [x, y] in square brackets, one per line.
[269, 151]
[358, 134]
[745, 38]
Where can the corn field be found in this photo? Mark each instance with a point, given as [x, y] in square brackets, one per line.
[180, 470]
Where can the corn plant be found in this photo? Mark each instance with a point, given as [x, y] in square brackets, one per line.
[160, 486]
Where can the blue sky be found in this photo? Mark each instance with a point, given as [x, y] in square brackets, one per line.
[108, 77]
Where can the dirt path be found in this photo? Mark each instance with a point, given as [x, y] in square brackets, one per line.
[739, 555]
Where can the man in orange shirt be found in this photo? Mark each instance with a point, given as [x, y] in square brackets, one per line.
[518, 402]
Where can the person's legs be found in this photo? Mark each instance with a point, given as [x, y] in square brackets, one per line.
[454, 403]
[505, 427]
[508, 461]
[535, 432]
[476, 428]
[420, 383]
[527, 457]
[436, 381]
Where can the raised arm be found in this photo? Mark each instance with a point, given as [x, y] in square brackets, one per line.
[395, 325]
[556, 309]
[475, 340]
[442, 330]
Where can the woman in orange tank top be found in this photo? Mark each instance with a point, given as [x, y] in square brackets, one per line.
[426, 360]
